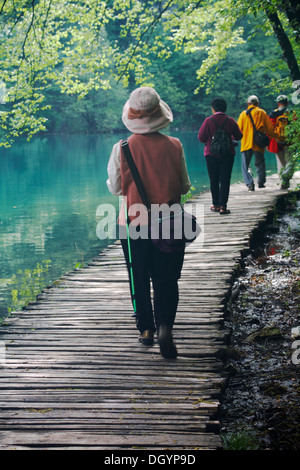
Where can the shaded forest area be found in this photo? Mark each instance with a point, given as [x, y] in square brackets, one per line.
[249, 68]
[69, 66]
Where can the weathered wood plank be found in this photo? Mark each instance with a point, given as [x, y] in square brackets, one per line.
[106, 441]
[75, 375]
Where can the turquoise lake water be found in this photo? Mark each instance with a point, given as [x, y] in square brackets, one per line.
[50, 189]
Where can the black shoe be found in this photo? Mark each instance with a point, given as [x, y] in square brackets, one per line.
[147, 338]
[166, 344]
[251, 187]
[261, 185]
[224, 210]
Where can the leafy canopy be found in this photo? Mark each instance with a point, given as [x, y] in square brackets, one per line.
[68, 44]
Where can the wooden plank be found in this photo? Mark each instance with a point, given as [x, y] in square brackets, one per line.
[106, 441]
[75, 375]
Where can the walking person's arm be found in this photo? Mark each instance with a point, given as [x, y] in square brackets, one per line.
[235, 130]
[240, 122]
[114, 171]
[203, 133]
[185, 180]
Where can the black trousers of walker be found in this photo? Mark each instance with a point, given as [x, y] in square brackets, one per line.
[164, 269]
[219, 171]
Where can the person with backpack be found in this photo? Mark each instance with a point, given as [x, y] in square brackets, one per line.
[218, 132]
[257, 128]
[280, 119]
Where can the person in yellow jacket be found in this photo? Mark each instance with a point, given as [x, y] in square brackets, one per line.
[262, 123]
[280, 118]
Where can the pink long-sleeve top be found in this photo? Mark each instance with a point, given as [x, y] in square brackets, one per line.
[208, 130]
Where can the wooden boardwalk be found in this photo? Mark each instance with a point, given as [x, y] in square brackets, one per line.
[74, 375]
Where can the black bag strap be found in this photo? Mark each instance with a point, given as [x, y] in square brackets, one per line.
[248, 112]
[135, 173]
[216, 124]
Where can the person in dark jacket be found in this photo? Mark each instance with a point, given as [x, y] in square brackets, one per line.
[219, 167]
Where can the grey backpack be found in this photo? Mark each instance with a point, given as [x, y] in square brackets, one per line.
[221, 141]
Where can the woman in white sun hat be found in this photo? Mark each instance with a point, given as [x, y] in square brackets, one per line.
[162, 167]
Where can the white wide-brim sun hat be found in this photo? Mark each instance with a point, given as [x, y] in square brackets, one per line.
[145, 112]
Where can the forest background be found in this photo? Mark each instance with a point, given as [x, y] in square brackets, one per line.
[67, 67]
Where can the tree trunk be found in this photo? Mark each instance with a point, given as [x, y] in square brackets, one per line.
[285, 44]
[292, 10]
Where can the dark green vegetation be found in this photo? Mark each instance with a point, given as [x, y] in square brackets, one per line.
[176, 80]
[65, 64]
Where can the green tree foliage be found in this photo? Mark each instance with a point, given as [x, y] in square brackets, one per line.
[45, 43]
[64, 62]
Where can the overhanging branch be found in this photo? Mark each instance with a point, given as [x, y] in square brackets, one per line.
[284, 42]
[150, 27]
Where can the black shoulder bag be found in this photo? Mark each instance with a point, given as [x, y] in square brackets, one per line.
[259, 138]
[170, 224]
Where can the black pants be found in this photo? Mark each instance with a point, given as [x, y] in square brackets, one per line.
[164, 269]
[219, 171]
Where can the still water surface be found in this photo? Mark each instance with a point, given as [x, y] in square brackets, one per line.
[50, 189]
